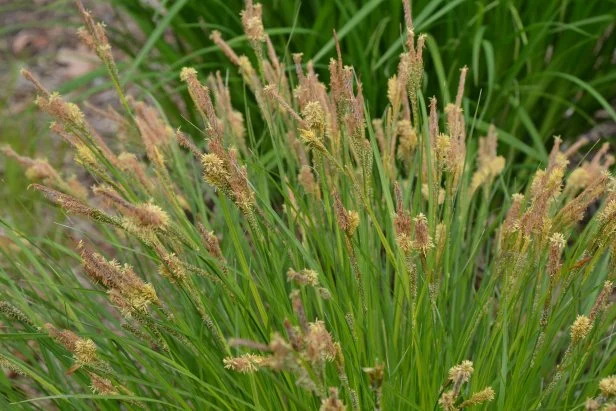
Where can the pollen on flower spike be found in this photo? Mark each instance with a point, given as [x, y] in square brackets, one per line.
[608, 386]
[85, 351]
[246, 363]
[423, 241]
[580, 328]
[461, 372]
[214, 170]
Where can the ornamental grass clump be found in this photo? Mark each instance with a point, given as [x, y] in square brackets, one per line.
[311, 258]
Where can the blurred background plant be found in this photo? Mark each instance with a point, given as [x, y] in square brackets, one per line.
[534, 71]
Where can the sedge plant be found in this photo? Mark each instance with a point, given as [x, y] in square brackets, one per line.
[360, 263]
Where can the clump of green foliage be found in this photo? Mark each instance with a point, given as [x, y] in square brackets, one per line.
[394, 262]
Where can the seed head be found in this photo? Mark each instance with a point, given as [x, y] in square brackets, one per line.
[73, 205]
[85, 351]
[282, 353]
[425, 192]
[307, 180]
[15, 313]
[319, 343]
[67, 114]
[578, 179]
[423, 241]
[126, 289]
[557, 244]
[602, 300]
[592, 404]
[303, 277]
[314, 116]
[608, 386]
[332, 402]
[311, 139]
[244, 364]
[214, 171]
[151, 215]
[212, 243]
[252, 22]
[348, 221]
[512, 220]
[580, 329]
[13, 369]
[200, 95]
[447, 401]
[485, 395]
[224, 47]
[407, 137]
[353, 221]
[375, 374]
[461, 373]
[172, 267]
[489, 164]
[102, 386]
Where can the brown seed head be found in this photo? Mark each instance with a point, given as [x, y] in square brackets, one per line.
[557, 245]
[224, 47]
[319, 343]
[102, 386]
[253, 23]
[423, 241]
[447, 401]
[332, 402]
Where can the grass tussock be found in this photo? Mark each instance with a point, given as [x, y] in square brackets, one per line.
[329, 260]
